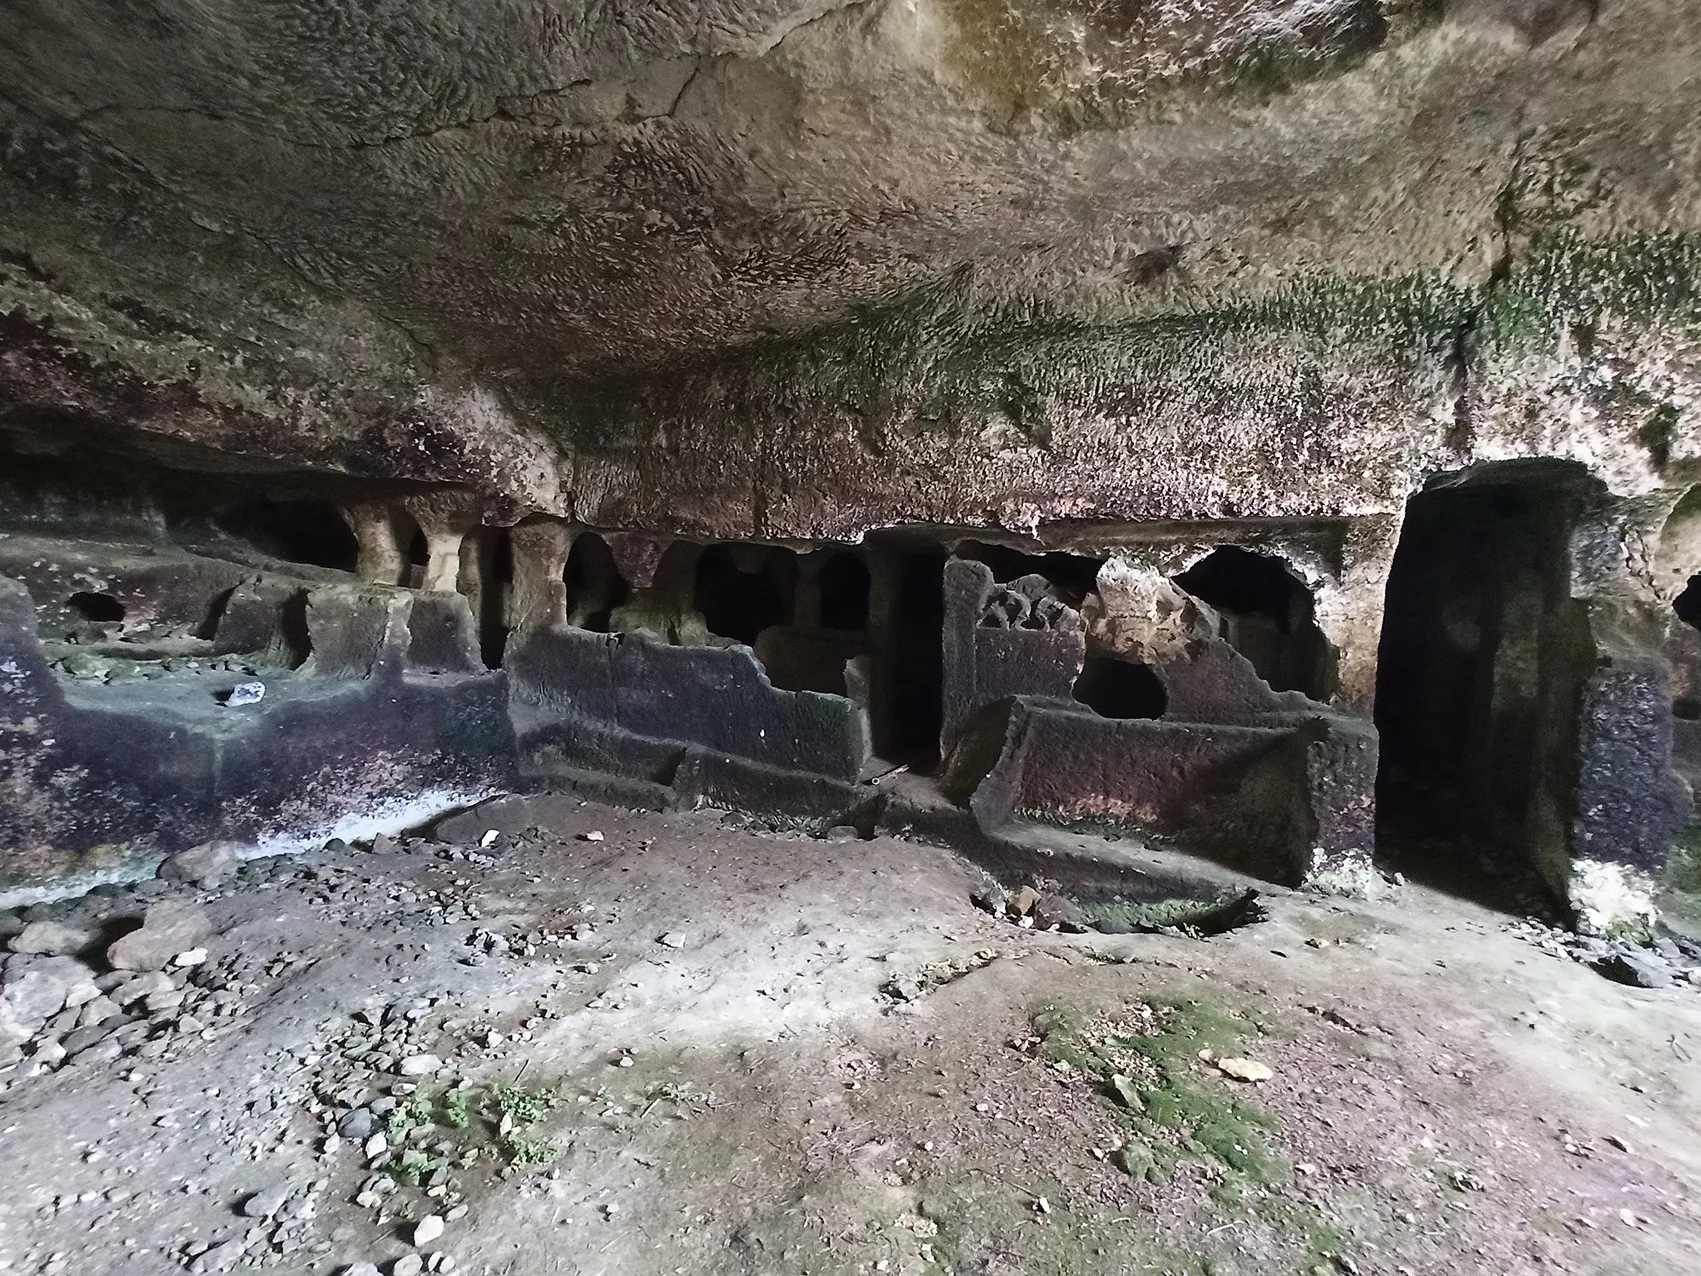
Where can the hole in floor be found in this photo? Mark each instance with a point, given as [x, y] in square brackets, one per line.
[101, 609]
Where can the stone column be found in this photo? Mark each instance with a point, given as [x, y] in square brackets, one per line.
[445, 523]
[381, 533]
[538, 596]
[1349, 612]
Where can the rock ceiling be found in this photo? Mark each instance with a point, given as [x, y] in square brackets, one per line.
[323, 234]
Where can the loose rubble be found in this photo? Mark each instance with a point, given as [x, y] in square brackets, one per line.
[1664, 961]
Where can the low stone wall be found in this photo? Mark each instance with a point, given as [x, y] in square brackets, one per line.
[96, 776]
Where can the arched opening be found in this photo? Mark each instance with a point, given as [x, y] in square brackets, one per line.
[1684, 652]
[844, 593]
[1115, 688]
[1073, 575]
[1268, 615]
[311, 532]
[416, 554]
[594, 584]
[100, 609]
[742, 590]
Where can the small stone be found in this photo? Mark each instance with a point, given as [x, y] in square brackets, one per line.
[427, 1230]
[190, 957]
[152, 983]
[37, 989]
[1056, 910]
[673, 939]
[82, 1038]
[1023, 901]
[595, 835]
[357, 1125]
[245, 693]
[407, 1265]
[361, 1269]
[97, 1011]
[1245, 1069]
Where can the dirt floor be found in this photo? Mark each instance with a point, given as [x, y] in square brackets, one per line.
[681, 1044]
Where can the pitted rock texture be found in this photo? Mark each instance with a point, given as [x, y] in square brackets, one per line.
[781, 268]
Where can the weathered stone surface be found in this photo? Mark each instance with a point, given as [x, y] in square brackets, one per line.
[1637, 970]
[34, 989]
[148, 760]
[1017, 249]
[54, 938]
[715, 697]
[205, 865]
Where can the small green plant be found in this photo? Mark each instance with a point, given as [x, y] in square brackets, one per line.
[522, 1147]
[518, 1106]
[516, 1110]
[455, 1110]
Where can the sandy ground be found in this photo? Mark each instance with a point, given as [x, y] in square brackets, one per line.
[696, 1046]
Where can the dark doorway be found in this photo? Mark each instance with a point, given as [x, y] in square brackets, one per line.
[311, 532]
[1687, 605]
[1482, 660]
[742, 590]
[594, 584]
[495, 549]
[418, 555]
[907, 728]
[1074, 576]
[844, 593]
[1268, 615]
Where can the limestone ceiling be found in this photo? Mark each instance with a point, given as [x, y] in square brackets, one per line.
[553, 187]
